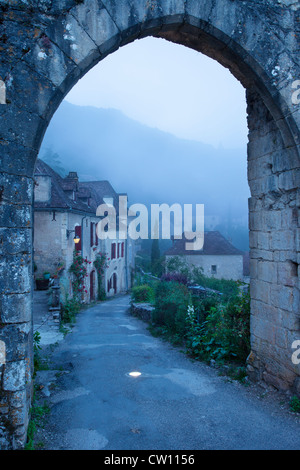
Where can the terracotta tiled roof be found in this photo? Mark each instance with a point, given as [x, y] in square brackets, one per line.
[214, 244]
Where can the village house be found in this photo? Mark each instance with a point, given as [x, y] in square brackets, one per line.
[65, 220]
[218, 257]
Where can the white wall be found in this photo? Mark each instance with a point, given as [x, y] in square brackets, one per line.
[228, 266]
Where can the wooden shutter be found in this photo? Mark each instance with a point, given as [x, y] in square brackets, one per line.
[78, 234]
[92, 233]
[96, 236]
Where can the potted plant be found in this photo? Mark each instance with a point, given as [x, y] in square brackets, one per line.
[46, 275]
[41, 283]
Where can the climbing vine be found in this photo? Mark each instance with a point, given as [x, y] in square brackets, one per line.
[100, 263]
[79, 270]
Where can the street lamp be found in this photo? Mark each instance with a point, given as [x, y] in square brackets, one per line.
[76, 239]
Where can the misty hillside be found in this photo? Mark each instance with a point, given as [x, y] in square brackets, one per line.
[150, 165]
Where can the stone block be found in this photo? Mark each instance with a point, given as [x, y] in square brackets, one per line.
[12, 128]
[15, 241]
[281, 338]
[285, 159]
[267, 271]
[96, 20]
[18, 398]
[53, 68]
[266, 312]
[71, 39]
[15, 274]
[255, 204]
[14, 376]
[262, 254]
[15, 216]
[282, 240]
[275, 381]
[262, 146]
[130, 16]
[16, 189]
[256, 221]
[19, 417]
[272, 220]
[16, 159]
[297, 239]
[282, 297]
[253, 239]
[15, 308]
[264, 330]
[289, 180]
[253, 268]
[263, 240]
[286, 275]
[260, 290]
[17, 340]
[31, 91]
[143, 311]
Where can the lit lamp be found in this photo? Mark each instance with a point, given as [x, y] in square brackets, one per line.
[76, 239]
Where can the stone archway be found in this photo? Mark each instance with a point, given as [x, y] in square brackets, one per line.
[47, 46]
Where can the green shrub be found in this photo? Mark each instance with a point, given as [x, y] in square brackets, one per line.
[179, 265]
[224, 334]
[171, 301]
[229, 288]
[69, 310]
[295, 404]
[143, 293]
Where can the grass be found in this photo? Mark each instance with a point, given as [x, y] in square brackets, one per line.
[294, 404]
[37, 416]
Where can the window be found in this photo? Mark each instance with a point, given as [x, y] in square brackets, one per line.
[113, 251]
[118, 250]
[122, 253]
[214, 269]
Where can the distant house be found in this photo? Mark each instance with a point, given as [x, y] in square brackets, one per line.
[65, 208]
[218, 258]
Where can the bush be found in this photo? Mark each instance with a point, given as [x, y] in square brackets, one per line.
[69, 310]
[229, 288]
[225, 332]
[177, 264]
[175, 277]
[171, 301]
[294, 404]
[143, 293]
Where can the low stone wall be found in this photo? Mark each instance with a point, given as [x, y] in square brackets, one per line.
[142, 311]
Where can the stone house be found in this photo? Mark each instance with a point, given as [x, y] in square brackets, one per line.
[65, 208]
[218, 258]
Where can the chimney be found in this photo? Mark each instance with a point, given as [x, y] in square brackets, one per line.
[72, 176]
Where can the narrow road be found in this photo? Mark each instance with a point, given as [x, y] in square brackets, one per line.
[175, 404]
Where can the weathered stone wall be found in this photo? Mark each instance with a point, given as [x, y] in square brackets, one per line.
[274, 216]
[47, 45]
[143, 311]
[50, 241]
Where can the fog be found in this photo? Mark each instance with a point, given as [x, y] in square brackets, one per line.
[147, 151]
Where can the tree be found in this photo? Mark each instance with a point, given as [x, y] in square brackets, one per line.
[155, 256]
[53, 159]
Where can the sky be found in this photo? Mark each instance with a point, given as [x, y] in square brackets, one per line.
[169, 87]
